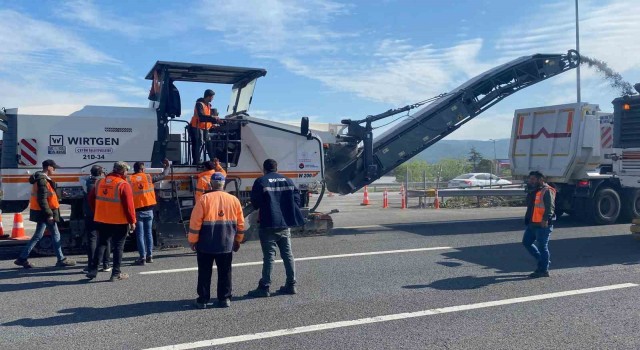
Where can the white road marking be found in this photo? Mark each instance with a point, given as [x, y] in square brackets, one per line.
[386, 318]
[308, 258]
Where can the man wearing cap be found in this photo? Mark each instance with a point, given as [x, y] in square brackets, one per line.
[216, 229]
[203, 119]
[45, 211]
[97, 172]
[115, 216]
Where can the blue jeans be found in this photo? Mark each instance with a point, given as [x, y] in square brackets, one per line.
[540, 251]
[269, 240]
[144, 233]
[37, 236]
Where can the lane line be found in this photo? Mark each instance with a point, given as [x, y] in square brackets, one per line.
[387, 318]
[253, 263]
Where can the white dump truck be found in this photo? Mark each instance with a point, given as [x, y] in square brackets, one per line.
[574, 146]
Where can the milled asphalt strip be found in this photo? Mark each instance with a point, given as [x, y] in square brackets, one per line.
[307, 258]
[386, 318]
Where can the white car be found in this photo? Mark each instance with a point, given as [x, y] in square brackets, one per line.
[478, 180]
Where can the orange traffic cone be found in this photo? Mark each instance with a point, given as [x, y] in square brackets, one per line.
[365, 200]
[436, 202]
[404, 199]
[18, 228]
[2, 234]
[385, 199]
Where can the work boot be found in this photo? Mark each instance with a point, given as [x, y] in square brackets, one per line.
[140, 262]
[288, 289]
[66, 262]
[120, 277]
[538, 274]
[106, 268]
[24, 263]
[149, 260]
[199, 305]
[92, 273]
[224, 303]
[260, 292]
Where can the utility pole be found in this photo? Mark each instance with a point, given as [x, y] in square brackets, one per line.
[577, 49]
[495, 161]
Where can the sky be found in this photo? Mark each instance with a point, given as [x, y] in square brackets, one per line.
[326, 59]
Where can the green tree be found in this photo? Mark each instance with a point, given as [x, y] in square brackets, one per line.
[475, 158]
[485, 166]
[452, 168]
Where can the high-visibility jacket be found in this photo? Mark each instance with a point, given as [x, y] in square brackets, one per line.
[144, 194]
[52, 197]
[216, 222]
[195, 120]
[538, 206]
[203, 181]
[109, 208]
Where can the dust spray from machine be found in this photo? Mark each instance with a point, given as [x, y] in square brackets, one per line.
[615, 79]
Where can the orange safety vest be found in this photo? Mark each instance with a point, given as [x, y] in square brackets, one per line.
[195, 121]
[216, 222]
[52, 197]
[538, 206]
[109, 209]
[144, 194]
[203, 183]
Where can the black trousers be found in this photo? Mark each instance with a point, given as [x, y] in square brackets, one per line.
[198, 137]
[205, 269]
[92, 240]
[117, 233]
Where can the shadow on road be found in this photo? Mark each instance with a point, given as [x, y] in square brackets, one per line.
[454, 227]
[467, 282]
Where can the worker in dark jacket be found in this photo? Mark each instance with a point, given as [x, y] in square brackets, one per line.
[278, 200]
[204, 118]
[45, 211]
[97, 172]
[539, 220]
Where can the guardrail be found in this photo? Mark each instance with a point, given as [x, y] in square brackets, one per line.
[468, 192]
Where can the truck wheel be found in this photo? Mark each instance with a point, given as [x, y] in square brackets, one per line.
[604, 207]
[630, 205]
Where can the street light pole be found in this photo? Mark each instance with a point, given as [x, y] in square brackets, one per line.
[577, 49]
[495, 159]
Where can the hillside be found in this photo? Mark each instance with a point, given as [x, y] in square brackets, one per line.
[460, 149]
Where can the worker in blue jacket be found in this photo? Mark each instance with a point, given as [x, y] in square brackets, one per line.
[278, 200]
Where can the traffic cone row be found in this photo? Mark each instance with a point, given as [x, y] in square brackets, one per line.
[385, 199]
[17, 232]
[635, 228]
[365, 200]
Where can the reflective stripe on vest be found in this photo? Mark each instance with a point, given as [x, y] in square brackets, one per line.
[51, 195]
[109, 209]
[143, 191]
[195, 120]
[538, 206]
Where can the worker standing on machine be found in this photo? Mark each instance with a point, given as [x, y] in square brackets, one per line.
[144, 201]
[202, 121]
[203, 180]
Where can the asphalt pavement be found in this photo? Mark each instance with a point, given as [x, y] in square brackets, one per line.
[385, 279]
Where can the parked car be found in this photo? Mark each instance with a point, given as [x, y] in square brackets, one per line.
[478, 180]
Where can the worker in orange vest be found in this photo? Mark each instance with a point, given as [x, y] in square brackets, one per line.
[144, 201]
[45, 211]
[539, 220]
[115, 216]
[216, 228]
[203, 180]
[204, 119]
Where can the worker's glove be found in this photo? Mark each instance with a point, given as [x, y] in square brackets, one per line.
[236, 246]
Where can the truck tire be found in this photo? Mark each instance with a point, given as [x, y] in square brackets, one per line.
[14, 206]
[604, 207]
[630, 205]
